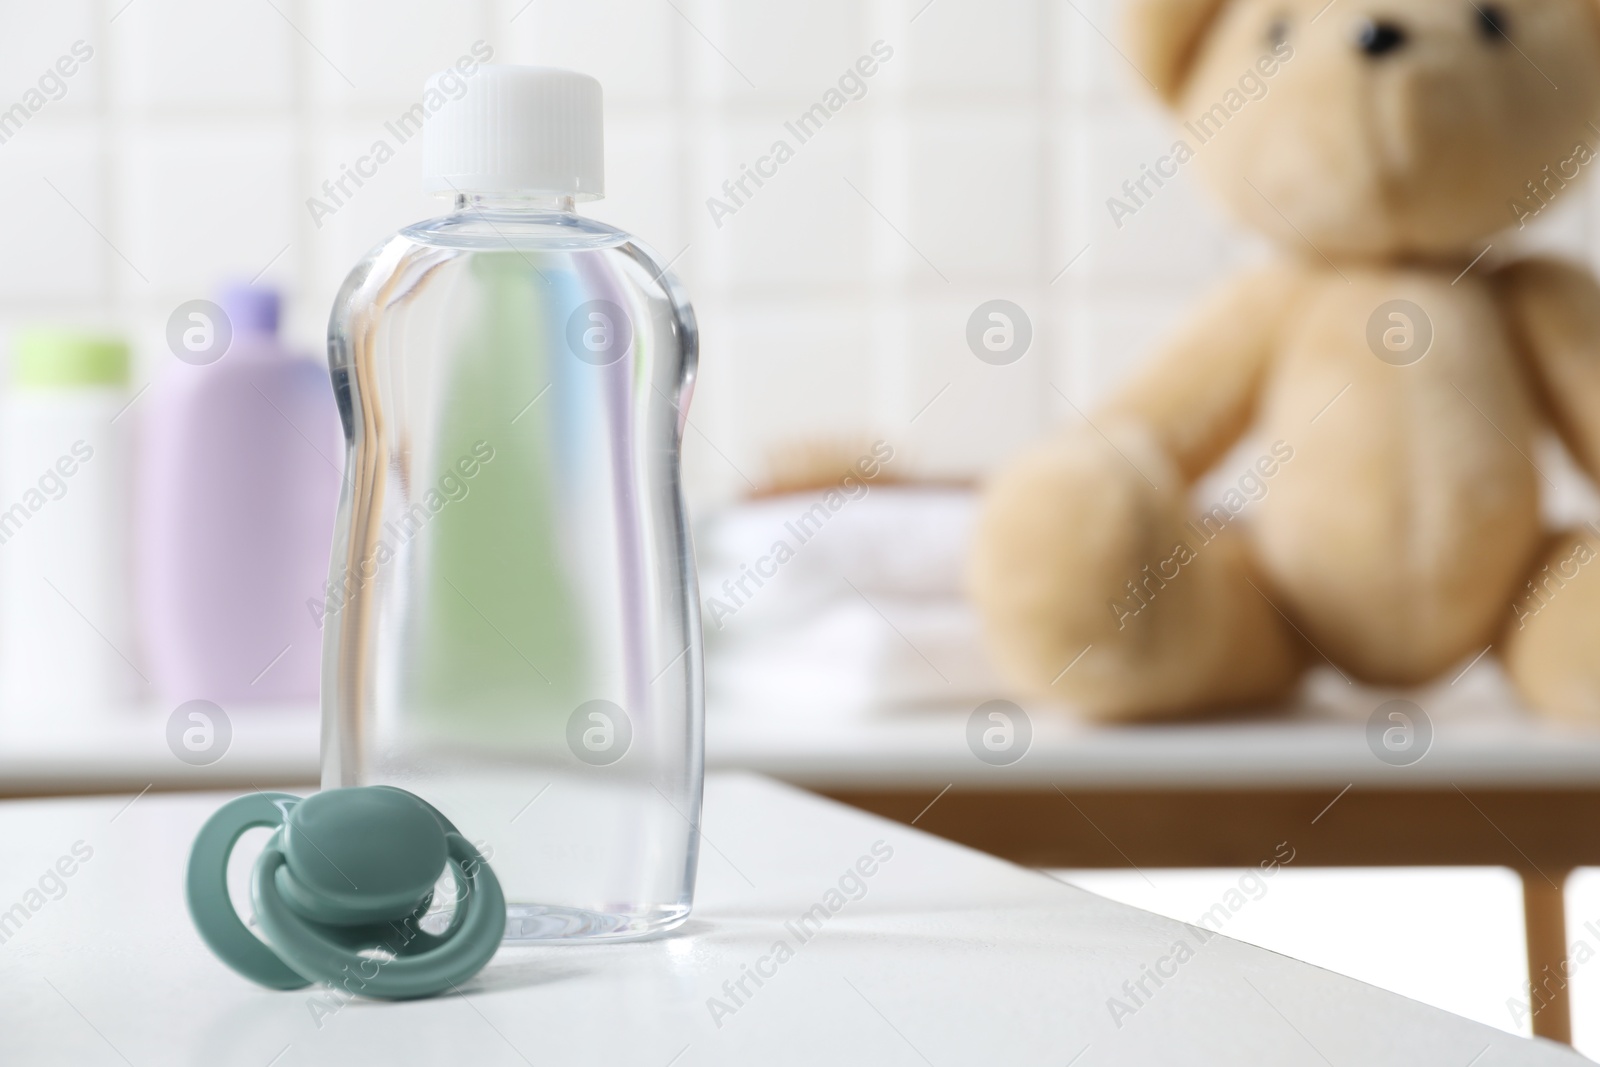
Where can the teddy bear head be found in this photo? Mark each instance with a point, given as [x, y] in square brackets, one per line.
[1379, 129]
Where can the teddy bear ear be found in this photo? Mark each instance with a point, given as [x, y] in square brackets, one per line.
[1163, 37]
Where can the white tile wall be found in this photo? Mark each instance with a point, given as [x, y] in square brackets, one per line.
[174, 57]
[47, 177]
[976, 166]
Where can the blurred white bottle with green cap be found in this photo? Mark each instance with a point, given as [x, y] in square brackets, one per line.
[66, 633]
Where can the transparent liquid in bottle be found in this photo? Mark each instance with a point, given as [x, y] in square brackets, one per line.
[511, 626]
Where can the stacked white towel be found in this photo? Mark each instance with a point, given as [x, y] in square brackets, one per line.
[830, 604]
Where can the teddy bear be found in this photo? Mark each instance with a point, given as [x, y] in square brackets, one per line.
[1398, 378]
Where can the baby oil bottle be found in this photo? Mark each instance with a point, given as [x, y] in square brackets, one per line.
[511, 623]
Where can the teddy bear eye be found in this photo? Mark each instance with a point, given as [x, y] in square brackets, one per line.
[1277, 31]
[1492, 22]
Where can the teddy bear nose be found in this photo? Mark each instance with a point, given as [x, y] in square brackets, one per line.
[1377, 38]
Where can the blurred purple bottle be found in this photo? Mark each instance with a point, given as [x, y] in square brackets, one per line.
[242, 464]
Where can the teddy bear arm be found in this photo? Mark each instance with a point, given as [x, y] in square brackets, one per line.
[1199, 393]
[1554, 310]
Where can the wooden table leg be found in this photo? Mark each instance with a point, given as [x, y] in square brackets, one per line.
[1544, 915]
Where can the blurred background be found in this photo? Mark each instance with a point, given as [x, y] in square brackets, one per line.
[198, 144]
[976, 166]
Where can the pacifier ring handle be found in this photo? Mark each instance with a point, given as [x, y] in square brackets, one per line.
[206, 887]
[474, 935]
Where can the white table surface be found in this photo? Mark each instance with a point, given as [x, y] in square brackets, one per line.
[1480, 740]
[1302, 749]
[126, 748]
[951, 957]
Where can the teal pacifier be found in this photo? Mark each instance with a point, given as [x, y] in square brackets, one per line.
[340, 889]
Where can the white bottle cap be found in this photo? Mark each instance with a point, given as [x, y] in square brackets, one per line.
[515, 130]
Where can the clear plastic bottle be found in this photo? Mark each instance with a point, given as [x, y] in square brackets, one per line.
[512, 627]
